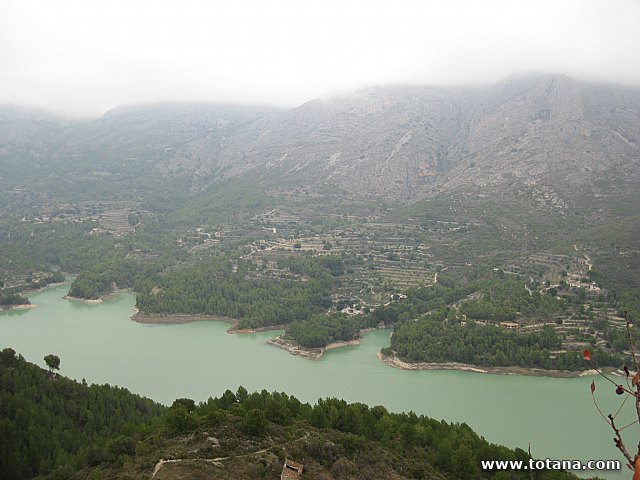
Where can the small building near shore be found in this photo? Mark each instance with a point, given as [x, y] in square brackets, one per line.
[291, 470]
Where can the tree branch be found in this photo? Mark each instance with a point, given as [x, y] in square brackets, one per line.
[617, 440]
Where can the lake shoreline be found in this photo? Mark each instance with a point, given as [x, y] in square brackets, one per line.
[91, 301]
[182, 318]
[293, 348]
[101, 298]
[27, 293]
[40, 289]
[103, 345]
[395, 362]
[22, 306]
[311, 353]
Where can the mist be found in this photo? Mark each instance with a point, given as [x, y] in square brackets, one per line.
[80, 59]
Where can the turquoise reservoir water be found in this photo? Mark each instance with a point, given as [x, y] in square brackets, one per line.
[101, 344]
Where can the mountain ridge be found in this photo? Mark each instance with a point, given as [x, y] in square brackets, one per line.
[400, 143]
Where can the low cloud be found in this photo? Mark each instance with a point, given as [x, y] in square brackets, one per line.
[82, 58]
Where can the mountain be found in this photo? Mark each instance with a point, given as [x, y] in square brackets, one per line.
[400, 143]
[409, 142]
[27, 139]
[172, 137]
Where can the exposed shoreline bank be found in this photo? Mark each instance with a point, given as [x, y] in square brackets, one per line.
[395, 362]
[182, 318]
[22, 306]
[48, 285]
[84, 300]
[175, 318]
[310, 353]
[102, 298]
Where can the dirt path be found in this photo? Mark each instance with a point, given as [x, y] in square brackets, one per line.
[587, 259]
[218, 460]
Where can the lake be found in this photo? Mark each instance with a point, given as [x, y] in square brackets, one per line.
[102, 345]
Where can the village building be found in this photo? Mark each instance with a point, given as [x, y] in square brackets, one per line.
[291, 470]
[510, 325]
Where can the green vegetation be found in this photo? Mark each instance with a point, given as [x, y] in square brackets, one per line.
[30, 247]
[508, 299]
[52, 361]
[100, 260]
[224, 202]
[53, 428]
[219, 287]
[625, 300]
[448, 323]
[117, 266]
[432, 339]
[321, 330]
[419, 301]
[124, 273]
[494, 299]
[246, 250]
[57, 425]
[11, 299]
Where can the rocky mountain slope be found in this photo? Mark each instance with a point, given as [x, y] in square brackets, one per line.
[400, 143]
[407, 143]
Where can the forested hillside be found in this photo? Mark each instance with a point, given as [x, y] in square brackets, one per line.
[220, 287]
[52, 425]
[54, 428]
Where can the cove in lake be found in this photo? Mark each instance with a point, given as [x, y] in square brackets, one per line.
[102, 345]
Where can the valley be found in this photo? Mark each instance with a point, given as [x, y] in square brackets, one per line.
[488, 229]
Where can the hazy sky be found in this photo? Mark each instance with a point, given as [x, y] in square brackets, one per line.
[84, 57]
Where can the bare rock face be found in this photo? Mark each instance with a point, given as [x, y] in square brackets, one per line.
[551, 130]
[398, 143]
[406, 143]
[391, 141]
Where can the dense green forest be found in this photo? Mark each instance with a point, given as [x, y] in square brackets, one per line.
[115, 266]
[433, 338]
[49, 423]
[52, 427]
[12, 299]
[300, 298]
[38, 246]
[321, 330]
[625, 300]
[121, 272]
[221, 287]
[99, 260]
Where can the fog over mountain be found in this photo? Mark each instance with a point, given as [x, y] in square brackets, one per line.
[82, 59]
[400, 143]
[435, 185]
